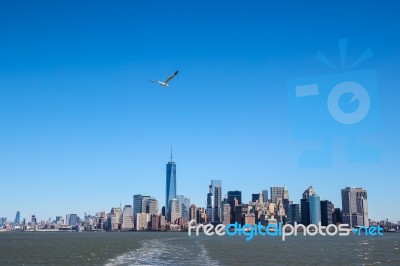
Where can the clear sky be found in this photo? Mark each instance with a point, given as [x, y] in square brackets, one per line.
[82, 128]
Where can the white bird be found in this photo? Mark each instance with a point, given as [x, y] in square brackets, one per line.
[165, 83]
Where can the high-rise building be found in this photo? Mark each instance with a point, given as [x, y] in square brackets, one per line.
[214, 198]
[142, 221]
[71, 219]
[355, 207]
[192, 213]
[17, 219]
[137, 205]
[337, 216]
[184, 205]
[170, 192]
[305, 205]
[327, 210]
[276, 192]
[234, 199]
[116, 219]
[3, 221]
[151, 205]
[315, 209]
[226, 211]
[255, 197]
[294, 214]
[265, 195]
[127, 218]
[174, 211]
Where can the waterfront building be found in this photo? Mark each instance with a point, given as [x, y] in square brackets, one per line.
[170, 192]
[192, 212]
[305, 205]
[234, 198]
[174, 211]
[142, 221]
[226, 214]
[327, 210]
[355, 207]
[115, 219]
[127, 218]
[315, 209]
[337, 216]
[17, 219]
[294, 214]
[184, 205]
[137, 205]
[214, 198]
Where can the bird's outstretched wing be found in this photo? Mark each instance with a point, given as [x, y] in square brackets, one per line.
[152, 80]
[171, 77]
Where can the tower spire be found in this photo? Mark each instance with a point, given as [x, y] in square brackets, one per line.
[171, 153]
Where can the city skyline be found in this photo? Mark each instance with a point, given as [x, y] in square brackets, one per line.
[79, 117]
[352, 199]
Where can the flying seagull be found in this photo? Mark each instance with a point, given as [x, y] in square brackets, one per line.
[165, 83]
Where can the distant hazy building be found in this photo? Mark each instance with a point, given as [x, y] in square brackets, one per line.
[17, 219]
[3, 221]
[170, 192]
[315, 209]
[115, 219]
[327, 210]
[127, 218]
[71, 219]
[355, 207]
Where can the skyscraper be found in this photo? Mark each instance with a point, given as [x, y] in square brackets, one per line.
[305, 205]
[17, 219]
[184, 205]
[315, 209]
[127, 218]
[214, 198]
[327, 210]
[355, 207]
[170, 192]
[174, 210]
[265, 195]
[137, 205]
[234, 199]
[276, 192]
[294, 214]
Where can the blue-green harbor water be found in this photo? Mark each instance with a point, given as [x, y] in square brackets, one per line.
[167, 248]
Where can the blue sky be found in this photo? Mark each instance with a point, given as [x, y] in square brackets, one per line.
[82, 129]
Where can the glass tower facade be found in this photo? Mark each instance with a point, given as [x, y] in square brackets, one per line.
[315, 209]
[170, 192]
